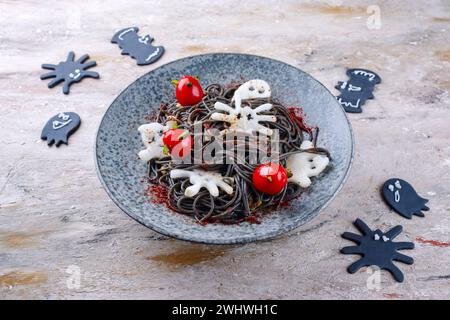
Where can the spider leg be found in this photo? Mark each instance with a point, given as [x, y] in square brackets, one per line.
[403, 258]
[89, 65]
[55, 82]
[352, 237]
[83, 58]
[395, 271]
[66, 87]
[351, 250]
[222, 117]
[394, 232]
[91, 74]
[355, 266]
[49, 66]
[263, 107]
[48, 75]
[364, 228]
[403, 245]
[70, 56]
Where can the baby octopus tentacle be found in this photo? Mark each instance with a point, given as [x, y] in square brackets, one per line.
[211, 181]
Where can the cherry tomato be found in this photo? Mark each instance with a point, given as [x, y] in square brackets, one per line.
[189, 92]
[183, 148]
[270, 178]
[178, 141]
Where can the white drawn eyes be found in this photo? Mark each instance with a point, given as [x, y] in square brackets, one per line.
[59, 124]
[396, 193]
[75, 75]
[377, 237]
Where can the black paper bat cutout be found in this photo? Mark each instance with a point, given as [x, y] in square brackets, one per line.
[60, 127]
[358, 88]
[402, 197]
[377, 249]
[139, 48]
[69, 71]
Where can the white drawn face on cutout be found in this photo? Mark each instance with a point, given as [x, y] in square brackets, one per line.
[56, 124]
[395, 189]
[253, 89]
[75, 75]
[380, 237]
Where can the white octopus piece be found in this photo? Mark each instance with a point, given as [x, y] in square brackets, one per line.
[246, 119]
[252, 89]
[211, 181]
[152, 134]
[305, 165]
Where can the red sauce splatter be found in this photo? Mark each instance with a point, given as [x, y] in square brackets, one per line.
[392, 295]
[253, 219]
[298, 116]
[284, 204]
[433, 242]
[158, 194]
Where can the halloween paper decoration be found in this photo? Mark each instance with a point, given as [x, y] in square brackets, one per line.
[60, 127]
[69, 71]
[139, 48]
[377, 249]
[357, 89]
[402, 197]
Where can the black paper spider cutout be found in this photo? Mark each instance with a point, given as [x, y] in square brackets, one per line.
[69, 71]
[377, 249]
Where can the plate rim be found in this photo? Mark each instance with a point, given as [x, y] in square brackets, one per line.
[239, 240]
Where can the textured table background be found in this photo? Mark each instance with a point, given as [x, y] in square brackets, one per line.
[56, 219]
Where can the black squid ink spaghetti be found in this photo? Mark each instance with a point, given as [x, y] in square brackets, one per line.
[225, 153]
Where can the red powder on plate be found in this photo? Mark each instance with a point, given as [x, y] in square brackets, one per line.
[298, 116]
[158, 194]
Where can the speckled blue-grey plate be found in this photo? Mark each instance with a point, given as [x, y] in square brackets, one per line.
[118, 143]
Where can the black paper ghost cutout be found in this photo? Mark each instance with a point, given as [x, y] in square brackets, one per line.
[139, 48]
[59, 128]
[402, 197]
[377, 249]
[357, 89]
[69, 71]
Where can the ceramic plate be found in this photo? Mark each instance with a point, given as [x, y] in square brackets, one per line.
[118, 143]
